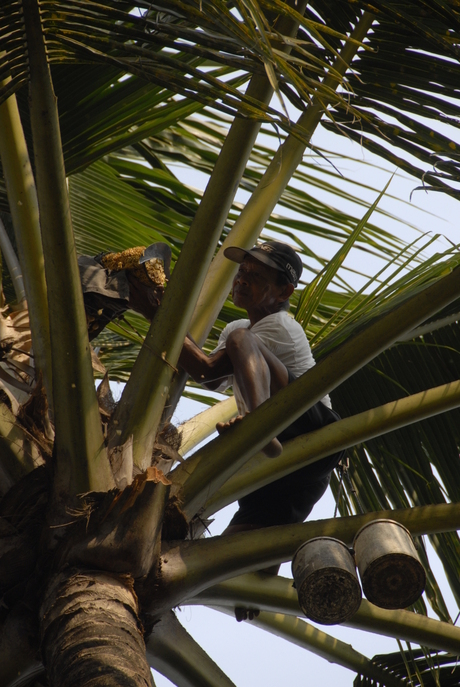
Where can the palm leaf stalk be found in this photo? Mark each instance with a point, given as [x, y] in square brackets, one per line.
[144, 194]
[161, 349]
[255, 214]
[242, 135]
[82, 462]
[175, 654]
[277, 595]
[185, 141]
[308, 637]
[226, 175]
[190, 567]
[200, 427]
[141, 406]
[343, 434]
[13, 266]
[212, 465]
[22, 195]
[20, 455]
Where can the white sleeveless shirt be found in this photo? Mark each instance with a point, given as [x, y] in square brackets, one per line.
[284, 337]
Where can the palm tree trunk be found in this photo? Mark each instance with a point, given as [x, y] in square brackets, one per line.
[91, 633]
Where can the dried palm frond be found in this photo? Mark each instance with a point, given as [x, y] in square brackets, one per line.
[147, 272]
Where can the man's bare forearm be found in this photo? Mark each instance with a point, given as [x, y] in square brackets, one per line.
[208, 370]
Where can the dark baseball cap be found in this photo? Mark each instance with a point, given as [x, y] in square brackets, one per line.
[272, 253]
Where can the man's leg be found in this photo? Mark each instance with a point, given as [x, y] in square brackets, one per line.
[258, 373]
[242, 613]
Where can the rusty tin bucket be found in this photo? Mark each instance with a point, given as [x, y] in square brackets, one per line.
[326, 581]
[391, 573]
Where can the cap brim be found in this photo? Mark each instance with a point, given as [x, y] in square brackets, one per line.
[236, 254]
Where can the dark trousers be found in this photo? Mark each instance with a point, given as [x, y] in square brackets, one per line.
[291, 499]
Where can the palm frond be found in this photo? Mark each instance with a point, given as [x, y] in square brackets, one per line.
[169, 47]
[404, 87]
[120, 202]
[418, 668]
[417, 465]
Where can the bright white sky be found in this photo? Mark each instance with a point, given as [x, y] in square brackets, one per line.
[247, 654]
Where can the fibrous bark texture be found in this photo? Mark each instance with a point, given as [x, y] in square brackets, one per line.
[91, 634]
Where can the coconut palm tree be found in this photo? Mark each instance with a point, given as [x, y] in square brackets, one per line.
[95, 545]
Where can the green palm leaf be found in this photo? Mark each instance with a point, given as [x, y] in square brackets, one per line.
[418, 668]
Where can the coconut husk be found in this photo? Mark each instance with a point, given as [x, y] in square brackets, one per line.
[148, 273]
[167, 445]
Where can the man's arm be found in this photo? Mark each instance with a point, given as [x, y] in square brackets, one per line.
[207, 370]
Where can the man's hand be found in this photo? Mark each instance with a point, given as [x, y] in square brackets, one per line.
[208, 370]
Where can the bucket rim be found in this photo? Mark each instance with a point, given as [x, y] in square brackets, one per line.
[379, 521]
[315, 539]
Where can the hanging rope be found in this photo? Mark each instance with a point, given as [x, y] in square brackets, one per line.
[343, 468]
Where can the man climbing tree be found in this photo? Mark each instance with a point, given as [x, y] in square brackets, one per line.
[259, 356]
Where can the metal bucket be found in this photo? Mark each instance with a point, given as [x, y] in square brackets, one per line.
[326, 580]
[391, 573]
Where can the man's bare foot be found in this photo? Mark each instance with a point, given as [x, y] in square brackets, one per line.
[273, 449]
[222, 427]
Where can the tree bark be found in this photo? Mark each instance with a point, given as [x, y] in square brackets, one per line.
[91, 633]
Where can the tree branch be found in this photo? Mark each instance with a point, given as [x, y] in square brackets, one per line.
[191, 567]
[333, 438]
[258, 209]
[176, 655]
[22, 197]
[141, 405]
[276, 594]
[320, 643]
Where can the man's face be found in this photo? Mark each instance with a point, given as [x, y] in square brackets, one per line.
[255, 286]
